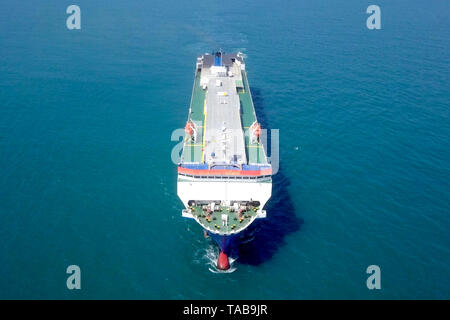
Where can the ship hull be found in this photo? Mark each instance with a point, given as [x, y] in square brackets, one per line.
[226, 243]
[224, 174]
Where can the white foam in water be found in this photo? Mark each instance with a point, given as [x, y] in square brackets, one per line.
[211, 256]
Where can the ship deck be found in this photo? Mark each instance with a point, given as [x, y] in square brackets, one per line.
[224, 136]
[193, 152]
[213, 221]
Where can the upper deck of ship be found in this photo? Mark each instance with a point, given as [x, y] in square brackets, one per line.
[222, 113]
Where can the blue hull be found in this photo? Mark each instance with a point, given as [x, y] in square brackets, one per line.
[226, 243]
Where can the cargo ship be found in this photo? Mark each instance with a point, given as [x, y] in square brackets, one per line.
[224, 176]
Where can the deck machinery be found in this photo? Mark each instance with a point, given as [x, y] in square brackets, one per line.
[224, 176]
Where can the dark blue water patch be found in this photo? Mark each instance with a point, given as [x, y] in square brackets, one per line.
[266, 236]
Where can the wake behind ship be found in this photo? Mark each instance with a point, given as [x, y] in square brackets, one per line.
[224, 177]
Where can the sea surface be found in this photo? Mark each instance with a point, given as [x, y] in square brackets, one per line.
[86, 176]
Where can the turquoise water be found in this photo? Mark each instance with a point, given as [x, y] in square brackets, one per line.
[86, 176]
